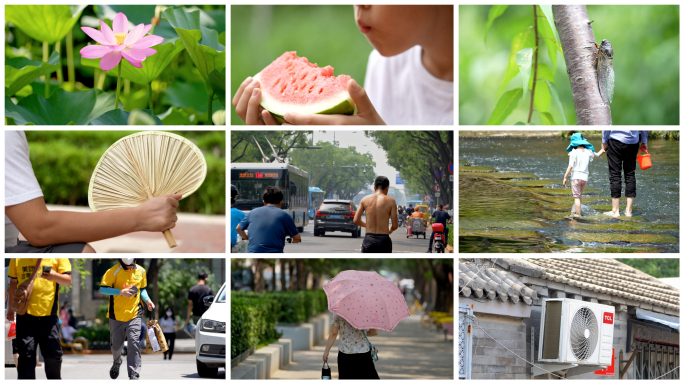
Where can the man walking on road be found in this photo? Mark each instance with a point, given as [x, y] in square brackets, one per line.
[196, 297]
[125, 284]
[442, 217]
[379, 208]
[39, 326]
[269, 225]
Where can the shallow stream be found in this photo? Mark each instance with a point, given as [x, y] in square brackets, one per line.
[511, 199]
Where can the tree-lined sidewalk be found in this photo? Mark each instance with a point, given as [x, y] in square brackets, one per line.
[409, 352]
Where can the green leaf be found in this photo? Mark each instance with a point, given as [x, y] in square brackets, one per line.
[189, 95]
[62, 108]
[153, 66]
[20, 71]
[542, 98]
[217, 81]
[45, 23]
[494, 12]
[546, 118]
[178, 116]
[507, 103]
[524, 60]
[548, 13]
[549, 42]
[524, 39]
[201, 43]
[121, 117]
[519, 123]
[556, 99]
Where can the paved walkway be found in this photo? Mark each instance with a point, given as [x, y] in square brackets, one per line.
[409, 352]
[194, 233]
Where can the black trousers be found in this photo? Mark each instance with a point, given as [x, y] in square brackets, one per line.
[622, 157]
[357, 366]
[43, 331]
[171, 341]
[446, 237]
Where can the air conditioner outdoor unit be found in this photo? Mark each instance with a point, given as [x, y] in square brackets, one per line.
[576, 331]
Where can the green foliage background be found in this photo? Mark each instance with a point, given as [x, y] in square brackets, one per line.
[63, 162]
[645, 40]
[655, 267]
[325, 34]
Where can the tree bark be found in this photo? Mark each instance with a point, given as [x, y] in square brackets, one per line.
[577, 39]
[283, 278]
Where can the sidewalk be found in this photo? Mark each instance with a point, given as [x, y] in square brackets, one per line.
[409, 352]
[194, 233]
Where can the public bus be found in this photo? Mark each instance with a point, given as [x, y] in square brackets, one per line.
[316, 197]
[251, 179]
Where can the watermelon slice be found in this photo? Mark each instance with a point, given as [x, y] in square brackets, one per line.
[292, 84]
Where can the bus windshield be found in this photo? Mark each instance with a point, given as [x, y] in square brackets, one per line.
[251, 184]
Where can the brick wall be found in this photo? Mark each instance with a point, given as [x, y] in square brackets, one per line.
[491, 360]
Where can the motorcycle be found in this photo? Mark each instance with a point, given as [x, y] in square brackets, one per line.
[440, 239]
[401, 220]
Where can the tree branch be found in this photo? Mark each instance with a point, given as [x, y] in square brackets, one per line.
[577, 40]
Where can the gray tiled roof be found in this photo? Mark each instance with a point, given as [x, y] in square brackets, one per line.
[527, 279]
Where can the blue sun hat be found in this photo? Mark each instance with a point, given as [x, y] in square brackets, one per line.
[578, 139]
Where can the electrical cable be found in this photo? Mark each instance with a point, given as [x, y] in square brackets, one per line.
[666, 373]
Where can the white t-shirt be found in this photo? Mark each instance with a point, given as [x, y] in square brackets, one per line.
[405, 93]
[579, 161]
[21, 184]
[168, 325]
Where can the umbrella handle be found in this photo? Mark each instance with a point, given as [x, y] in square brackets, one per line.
[170, 240]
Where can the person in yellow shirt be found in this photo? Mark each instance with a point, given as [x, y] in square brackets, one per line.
[40, 325]
[125, 284]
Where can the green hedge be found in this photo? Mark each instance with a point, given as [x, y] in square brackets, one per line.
[451, 234]
[253, 315]
[63, 162]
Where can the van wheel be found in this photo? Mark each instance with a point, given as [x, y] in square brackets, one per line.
[204, 371]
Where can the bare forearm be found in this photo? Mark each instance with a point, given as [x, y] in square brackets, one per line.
[67, 227]
[567, 172]
[331, 341]
[242, 233]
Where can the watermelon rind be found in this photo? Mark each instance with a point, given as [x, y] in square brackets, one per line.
[340, 104]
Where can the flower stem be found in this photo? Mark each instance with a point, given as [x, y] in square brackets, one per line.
[118, 87]
[536, 57]
[60, 75]
[47, 77]
[150, 98]
[211, 98]
[70, 60]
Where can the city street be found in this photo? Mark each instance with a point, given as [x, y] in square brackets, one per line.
[343, 242]
[408, 352]
[96, 367]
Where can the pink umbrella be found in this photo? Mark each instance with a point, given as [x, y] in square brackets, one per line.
[366, 300]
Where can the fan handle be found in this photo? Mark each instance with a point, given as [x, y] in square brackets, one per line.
[170, 240]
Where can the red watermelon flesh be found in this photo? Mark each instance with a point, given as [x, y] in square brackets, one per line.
[293, 84]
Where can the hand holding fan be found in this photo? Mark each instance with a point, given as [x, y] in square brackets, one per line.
[145, 165]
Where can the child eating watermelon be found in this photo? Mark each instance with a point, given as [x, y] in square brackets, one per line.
[409, 78]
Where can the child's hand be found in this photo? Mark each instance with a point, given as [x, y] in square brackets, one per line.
[366, 114]
[565, 180]
[246, 102]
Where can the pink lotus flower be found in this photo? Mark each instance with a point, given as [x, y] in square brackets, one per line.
[114, 44]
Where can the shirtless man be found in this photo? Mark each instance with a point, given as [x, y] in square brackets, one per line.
[379, 208]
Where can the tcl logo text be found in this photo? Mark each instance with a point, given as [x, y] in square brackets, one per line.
[607, 318]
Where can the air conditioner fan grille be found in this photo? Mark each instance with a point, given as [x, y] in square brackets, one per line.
[583, 334]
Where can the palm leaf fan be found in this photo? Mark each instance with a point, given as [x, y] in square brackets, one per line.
[144, 165]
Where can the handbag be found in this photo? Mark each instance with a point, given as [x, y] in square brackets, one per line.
[326, 375]
[156, 342]
[10, 330]
[22, 294]
[374, 351]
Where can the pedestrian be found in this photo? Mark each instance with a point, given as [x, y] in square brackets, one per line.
[443, 217]
[379, 209]
[236, 217]
[269, 225]
[581, 154]
[196, 297]
[39, 326]
[125, 284]
[354, 360]
[69, 327]
[61, 231]
[168, 325]
[622, 148]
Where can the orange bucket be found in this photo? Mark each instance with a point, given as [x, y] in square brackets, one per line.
[644, 160]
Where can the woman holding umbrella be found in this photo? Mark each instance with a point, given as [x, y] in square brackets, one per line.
[361, 301]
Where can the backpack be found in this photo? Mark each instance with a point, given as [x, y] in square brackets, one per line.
[22, 295]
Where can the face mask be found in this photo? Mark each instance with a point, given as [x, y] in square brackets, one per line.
[128, 260]
[169, 313]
